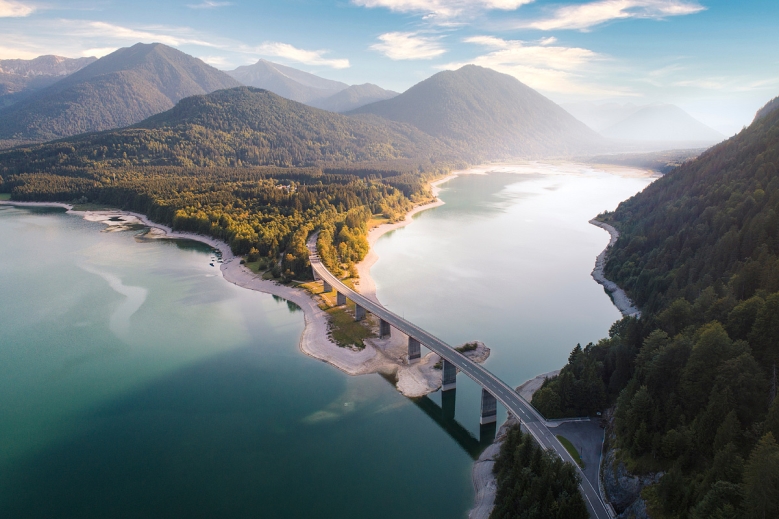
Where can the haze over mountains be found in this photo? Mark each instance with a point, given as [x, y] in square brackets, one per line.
[21, 77]
[489, 113]
[472, 113]
[308, 88]
[117, 90]
[649, 123]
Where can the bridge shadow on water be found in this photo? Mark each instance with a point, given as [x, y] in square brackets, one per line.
[443, 415]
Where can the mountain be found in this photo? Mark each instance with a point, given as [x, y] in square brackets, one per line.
[117, 90]
[600, 116]
[662, 122]
[772, 105]
[353, 97]
[694, 379]
[239, 126]
[488, 115]
[20, 77]
[286, 81]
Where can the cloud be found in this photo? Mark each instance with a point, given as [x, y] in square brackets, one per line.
[17, 53]
[175, 37]
[216, 61]
[209, 5]
[408, 45]
[584, 16]
[443, 8]
[14, 9]
[541, 65]
[98, 52]
[309, 57]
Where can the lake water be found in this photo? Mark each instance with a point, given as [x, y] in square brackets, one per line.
[136, 382]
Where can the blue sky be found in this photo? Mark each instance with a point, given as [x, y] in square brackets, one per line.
[716, 59]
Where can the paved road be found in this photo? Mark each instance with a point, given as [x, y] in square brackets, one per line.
[499, 389]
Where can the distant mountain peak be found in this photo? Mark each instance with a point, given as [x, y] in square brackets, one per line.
[662, 122]
[119, 89]
[492, 114]
[286, 81]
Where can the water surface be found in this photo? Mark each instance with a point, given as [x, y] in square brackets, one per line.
[136, 382]
[507, 260]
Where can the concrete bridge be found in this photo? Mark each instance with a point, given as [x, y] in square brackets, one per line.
[493, 389]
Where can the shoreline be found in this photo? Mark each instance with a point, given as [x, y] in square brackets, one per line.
[618, 296]
[384, 356]
[365, 284]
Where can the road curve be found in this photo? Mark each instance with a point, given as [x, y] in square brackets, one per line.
[515, 404]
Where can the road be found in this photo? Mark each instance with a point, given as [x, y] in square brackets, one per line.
[506, 395]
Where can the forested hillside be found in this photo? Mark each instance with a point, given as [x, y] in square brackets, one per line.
[203, 167]
[234, 127]
[117, 90]
[694, 380]
[489, 115]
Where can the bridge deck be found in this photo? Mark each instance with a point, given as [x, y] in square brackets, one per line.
[506, 395]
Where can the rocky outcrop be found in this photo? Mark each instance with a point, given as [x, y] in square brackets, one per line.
[623, 489]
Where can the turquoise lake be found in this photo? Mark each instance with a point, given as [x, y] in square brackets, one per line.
[136, 382]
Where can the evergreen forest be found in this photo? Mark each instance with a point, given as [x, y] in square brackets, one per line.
[694, 379]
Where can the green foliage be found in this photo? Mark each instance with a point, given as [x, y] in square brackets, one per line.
[271, 210]
[533, 483]
[593, 376]
[468, 346]
[571, 450]
[761, 480]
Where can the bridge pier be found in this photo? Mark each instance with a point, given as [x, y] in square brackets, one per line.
[489, 408]
[326, 287]
[449, 379]
[359, 312]
[340, 299]
[384, 329]
[414, 351]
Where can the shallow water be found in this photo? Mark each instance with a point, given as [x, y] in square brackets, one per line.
[136, 382]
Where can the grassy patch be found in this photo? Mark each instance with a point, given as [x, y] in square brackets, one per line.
[255, 266]
[5, 196]
[345, 331]
[378, 220]
[571, 450]
[470, 346]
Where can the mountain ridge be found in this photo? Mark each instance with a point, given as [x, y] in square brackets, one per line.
[353, 97]
[490, 114]
[662, 122]
[288, 82]
[234, 127]
[117, 90]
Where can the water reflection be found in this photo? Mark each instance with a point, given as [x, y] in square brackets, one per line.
[293, 307]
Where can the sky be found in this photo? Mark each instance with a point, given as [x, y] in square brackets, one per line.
[717, 59]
